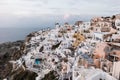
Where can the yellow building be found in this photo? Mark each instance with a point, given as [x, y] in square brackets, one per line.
[79, 39]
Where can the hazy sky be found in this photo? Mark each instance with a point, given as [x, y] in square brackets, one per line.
[36, 12]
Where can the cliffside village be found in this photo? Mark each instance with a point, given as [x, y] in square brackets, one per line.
[83, 51]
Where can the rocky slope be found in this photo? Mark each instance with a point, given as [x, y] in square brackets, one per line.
[9, 51]
[13, 51]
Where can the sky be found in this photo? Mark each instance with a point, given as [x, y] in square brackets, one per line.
[24, 13]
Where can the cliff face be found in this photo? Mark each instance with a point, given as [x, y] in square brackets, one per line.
[13, 51]
[9, 51]
[21, 74]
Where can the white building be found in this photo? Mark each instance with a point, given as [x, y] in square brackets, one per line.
[90, 74]
[85, 26]
[116, 70]
[117, 23]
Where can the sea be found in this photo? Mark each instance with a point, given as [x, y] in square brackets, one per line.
[14, 34]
